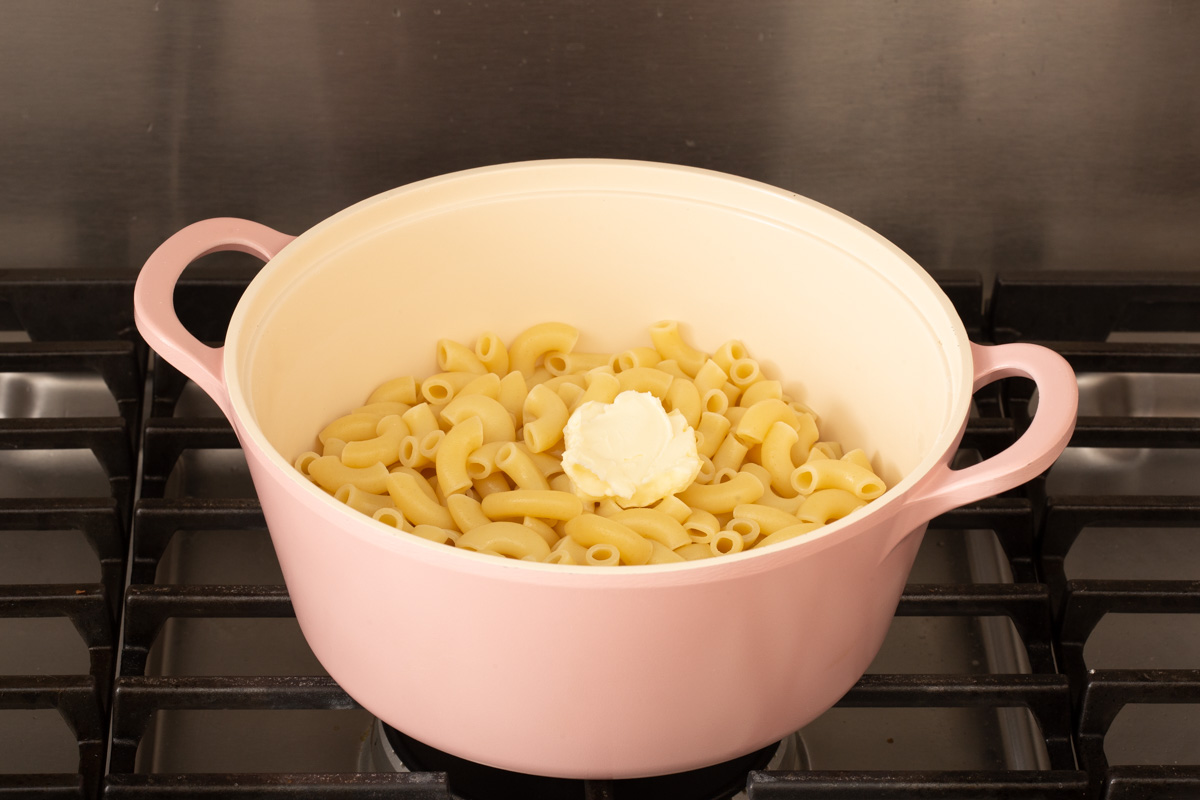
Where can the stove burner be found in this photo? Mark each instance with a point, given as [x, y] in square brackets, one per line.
[470, 781]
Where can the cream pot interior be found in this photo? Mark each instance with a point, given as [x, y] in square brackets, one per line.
[849, 323]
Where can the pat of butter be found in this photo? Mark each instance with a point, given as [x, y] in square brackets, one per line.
[631, 450]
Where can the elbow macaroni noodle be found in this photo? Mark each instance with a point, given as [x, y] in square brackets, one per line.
[471, 456]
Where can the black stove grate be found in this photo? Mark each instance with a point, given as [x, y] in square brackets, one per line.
[1072, 706]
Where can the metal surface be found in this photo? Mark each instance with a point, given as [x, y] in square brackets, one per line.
[994, 135]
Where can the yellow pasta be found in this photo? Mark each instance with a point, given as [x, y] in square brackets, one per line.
[656, 525]
[721, 498]
[497, 422]
[826, 505]
[644, 379]
[519, 466]
[455, 357]
[513, 391]
[535, 342]
[545, 415]
[471, 456]
[385, 447]
[511, 539]
[547, 504]
[840, 474]
[331, 474]
[397, 390]
[451, 459]
[668, 341]
[492, 353]
[589, 529]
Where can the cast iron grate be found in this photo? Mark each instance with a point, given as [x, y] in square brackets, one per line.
[1078, 314]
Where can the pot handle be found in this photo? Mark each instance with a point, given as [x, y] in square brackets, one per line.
[154, 295]
[1029, 456]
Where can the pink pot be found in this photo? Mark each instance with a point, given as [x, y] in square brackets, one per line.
[590, 672]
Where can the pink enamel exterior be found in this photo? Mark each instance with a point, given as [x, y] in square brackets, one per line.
[609, 673]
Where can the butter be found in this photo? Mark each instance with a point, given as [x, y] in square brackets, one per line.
[631, 450]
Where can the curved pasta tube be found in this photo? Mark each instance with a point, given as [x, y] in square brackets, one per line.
[745, 372]
[398, 390]
[466, 512]
[668, 341]
[730, 454]
[602, 387]
[435, 534]
[826, 505]
[726, 543]
[303, 460]
[559, 363]
[422, 482]
[571, 394]
[720, 498]
[672, 368]
[758, 419]
[830, 474]
[664, 555]
[417, 506]
[497, 422]
[533, 343]
[513, 391]
[331, 474]
[674, 508]
[381, 410]
[455, 357]
[589, 529]
[695, 551]
[701, 525]
[420, 420]
[440, 388]
[546, 504]
[574, 550]
[350, 428]
[492, 353]
[391, 516]
[746, 528]
[761, 390]
[712, 431]
[769, 498]
[420, 451]
[333, 447]
[654, 525]
[790, 532]
[776, 457]
[509, 539]
[487, 384]
[728, 353]
[384, 448]
[684, 397]
[768, 518]
[451, 458]
[857, 456]
[645, 379]
[709, 376]
[602, 555]
[541, 529]
[714, 401]
[806, 436]
[636, 357]
[492, 484]
[520, 467]
[362, 502]
[545, 415]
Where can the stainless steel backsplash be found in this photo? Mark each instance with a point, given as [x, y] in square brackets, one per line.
[976, 135]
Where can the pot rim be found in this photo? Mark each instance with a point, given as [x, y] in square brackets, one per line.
[876, 512]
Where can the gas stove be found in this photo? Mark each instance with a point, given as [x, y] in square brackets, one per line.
[1047, 645]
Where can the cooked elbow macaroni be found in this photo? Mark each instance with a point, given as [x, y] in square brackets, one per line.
[471, 456]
